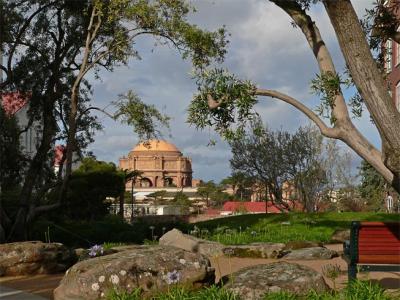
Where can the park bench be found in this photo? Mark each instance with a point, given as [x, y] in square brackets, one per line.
[373, 246]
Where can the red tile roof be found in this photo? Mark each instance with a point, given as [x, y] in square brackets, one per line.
[251, 207]
[59, 149]
[12, 102]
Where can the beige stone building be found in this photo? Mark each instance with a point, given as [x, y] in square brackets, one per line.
[161, 164]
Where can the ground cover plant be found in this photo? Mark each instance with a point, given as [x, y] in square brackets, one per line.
[281, 228]
[358, 290]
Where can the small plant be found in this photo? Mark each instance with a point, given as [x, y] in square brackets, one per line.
[108, 246]
[115, 294]
[173, 277]
[282, 295]
[361, 289]
[96, 250]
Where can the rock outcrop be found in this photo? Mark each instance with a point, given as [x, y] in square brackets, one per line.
[255, 250]
[25, 258]
[150, 268]
[190, 243]
[210, 249]
[311, 254]
[295, 245]
[253, 283]
[339, 236]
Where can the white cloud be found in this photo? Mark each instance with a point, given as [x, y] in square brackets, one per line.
[264, 48]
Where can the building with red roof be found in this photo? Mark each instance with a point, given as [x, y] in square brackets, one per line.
[16, 104]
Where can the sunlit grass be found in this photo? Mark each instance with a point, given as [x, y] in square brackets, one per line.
[282, 228]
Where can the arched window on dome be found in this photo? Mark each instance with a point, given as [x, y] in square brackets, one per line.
[145, 182]
[168, 181]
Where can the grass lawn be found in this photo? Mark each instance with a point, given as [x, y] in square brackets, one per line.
[282, 228]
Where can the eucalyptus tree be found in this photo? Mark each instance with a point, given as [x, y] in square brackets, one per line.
[224, 100]
[51, 46]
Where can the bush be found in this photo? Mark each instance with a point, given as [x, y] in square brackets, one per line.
[110, 229]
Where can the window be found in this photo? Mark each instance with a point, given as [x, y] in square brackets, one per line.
[397, 54]
[398, 96]
[388, 56]
[397, 61]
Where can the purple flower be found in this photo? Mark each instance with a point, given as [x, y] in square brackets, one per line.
[173, 277]
[96, 250]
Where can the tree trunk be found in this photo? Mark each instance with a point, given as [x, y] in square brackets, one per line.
[26, 207]
[368, 80]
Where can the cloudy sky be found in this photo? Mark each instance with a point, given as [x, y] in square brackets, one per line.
[263, 47]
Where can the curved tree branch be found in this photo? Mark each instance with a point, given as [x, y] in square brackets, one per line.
[325, 130]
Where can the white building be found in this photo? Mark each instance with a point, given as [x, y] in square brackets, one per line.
[146, 209]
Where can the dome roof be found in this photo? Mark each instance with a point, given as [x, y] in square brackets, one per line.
[156, 145]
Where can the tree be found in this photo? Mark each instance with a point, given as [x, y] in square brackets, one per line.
[158, 196]
[372, 188]
[51, 47]
[89, 188]
[128, 176]
[206, 189]
[275, 158]
[241, 185]
[261, 154]
[183, 201]
[306, 165]
[230, 100]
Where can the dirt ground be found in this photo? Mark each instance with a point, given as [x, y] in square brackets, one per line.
[43, 285]
[388, 280]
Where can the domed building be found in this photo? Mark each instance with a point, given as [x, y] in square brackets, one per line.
[161, 164]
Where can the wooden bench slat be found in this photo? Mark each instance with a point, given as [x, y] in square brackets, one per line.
[377, 233]
[379, 259]
[379, 247]
[379, 252]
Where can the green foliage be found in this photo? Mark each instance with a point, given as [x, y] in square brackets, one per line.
[182, 199]
[144, 118]
[282, 228]
[241, 184]
[51, 47]
[372, 187]
[109, 230]
[327, 86]
[158, 196]
[236, 99]
[88, 189]
[281, 296]
[11, 157]
[358, 290]
[176, 293]
[365, 290]
[209, 191]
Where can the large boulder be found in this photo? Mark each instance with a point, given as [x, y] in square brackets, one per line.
[339, 236]
[150, 268]
[255, 250]
[253, 283]
[190, 243]
[35, 257]
[295, 245]
[311, 254]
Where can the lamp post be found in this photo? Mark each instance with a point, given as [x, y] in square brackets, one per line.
[132, 198]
